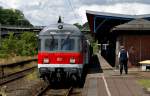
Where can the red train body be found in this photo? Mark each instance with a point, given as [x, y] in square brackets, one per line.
[63, 53]
[60, 57]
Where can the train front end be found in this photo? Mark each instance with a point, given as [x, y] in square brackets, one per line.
[60, 56]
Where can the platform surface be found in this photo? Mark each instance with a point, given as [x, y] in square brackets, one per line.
[100, 85]
[109, 82]
[103, 63]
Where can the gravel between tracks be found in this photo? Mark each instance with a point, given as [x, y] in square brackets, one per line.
[24, 87]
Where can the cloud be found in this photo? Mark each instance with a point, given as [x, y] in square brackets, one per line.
[12, 3]
[45, 12]
[112, 2]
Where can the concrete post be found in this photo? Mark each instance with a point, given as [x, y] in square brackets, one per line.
[117, 51]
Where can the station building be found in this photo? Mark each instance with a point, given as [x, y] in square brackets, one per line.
[114, 30]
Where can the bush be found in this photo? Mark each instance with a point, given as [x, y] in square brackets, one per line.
[3, 54]
[95, 46]
[23, 45]
[9, 44]
[29, 43]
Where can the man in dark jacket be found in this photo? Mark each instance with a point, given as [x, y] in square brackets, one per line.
[123, 59]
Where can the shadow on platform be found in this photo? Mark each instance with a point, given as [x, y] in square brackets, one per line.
[95, 66]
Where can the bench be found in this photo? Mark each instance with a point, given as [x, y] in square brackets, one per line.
[145, 65]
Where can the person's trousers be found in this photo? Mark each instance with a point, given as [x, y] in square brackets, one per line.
[123, 65]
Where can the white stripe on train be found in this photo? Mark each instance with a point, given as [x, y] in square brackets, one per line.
[61, 65]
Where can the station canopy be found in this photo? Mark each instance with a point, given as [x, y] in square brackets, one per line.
[138, 24]
[101, 23]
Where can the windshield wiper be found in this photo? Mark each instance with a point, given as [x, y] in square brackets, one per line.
[63, 42]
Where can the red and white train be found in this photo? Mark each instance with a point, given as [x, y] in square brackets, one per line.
[63, 53]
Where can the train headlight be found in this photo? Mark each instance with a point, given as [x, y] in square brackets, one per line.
[45, 60]
[72, 60]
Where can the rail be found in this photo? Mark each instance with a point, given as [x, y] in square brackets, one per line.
[42, 91]
[53, 92]
[23, 62]
[18, 62]
[69, 91]
[16, 75]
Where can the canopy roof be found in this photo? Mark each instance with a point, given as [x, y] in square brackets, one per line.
[137, 24]
[145, 62]
[102, 21]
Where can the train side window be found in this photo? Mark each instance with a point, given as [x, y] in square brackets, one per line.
[80, 44]
[51, 44]
[39, 44]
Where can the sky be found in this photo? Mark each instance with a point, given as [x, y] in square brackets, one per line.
[46, 12]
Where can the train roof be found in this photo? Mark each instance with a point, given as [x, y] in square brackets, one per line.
[61, 28]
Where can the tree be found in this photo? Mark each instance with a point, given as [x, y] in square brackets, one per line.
[78, 25]
[13, 17]
[27, 43]
[9, 44]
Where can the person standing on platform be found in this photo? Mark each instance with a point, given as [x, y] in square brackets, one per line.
[123, 59]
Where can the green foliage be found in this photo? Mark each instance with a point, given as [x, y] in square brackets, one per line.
[145, 83]
[78, 25]
[95, 46]
[8, 44]
[13, 17]
[23, 45]
[28, 43]
[86, 26]
[3, 54]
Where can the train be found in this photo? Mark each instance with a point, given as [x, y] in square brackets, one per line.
[63, 53]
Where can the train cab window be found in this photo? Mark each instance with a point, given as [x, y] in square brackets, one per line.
[67, 44]
[51, 44]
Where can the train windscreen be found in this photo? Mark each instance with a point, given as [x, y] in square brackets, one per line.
[51, 44]
[60, 44]
[67, 44]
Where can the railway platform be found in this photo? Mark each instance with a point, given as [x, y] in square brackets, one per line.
[111, 83]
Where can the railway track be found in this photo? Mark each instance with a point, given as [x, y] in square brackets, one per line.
[11, 77]
[55, 92]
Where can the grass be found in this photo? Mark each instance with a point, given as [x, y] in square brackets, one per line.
[33, 75]
[10, 70]
[15, 59]
[144, 82]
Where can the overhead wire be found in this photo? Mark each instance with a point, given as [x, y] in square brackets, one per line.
[75, 15]
[61, 13]
[69, 2]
